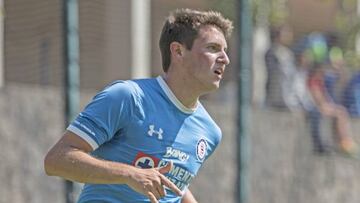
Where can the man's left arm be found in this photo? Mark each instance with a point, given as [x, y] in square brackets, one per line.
[188, 197]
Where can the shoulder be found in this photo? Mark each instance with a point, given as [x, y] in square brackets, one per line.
[117, 94]
[120, 87]
[127, 88]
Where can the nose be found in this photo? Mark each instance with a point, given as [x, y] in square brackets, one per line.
[224, 58]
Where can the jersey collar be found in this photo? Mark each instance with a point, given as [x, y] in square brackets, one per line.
[173, 98]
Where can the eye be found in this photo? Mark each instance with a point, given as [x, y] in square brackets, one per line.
[213, 48]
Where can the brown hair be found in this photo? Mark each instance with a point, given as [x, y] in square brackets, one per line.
[183, 26]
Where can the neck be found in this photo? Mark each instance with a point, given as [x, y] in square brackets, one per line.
[182, 90]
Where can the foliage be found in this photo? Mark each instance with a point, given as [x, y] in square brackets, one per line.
[273, 12]
[226, 7]
[347, 23]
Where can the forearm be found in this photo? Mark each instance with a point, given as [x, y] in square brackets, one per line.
[76, 165]
[79, 166]
[70, 159]
[318, 96]
[188, 197]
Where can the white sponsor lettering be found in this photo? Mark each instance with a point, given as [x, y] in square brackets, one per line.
[175, 153]
[178, 175]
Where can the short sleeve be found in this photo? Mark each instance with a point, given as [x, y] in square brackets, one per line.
[108, 112]
[217, 135]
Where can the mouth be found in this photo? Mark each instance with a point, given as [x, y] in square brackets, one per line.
[219, 72]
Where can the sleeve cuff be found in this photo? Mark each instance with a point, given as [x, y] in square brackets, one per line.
[84, 136]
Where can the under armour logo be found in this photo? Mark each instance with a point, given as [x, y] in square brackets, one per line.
[157, 132]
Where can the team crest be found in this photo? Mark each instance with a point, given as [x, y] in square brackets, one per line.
[201, 149]
[143, 160]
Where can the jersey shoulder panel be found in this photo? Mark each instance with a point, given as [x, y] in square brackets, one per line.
[109, 111]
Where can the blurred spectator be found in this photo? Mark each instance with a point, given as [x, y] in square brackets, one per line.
[318, 74]
[280, 66]
[327, 107]
[309, 78]
[351, 96]
[336, 75]
[305, 57]
[304, 61]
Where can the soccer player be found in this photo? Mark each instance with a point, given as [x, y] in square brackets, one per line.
[145, 140]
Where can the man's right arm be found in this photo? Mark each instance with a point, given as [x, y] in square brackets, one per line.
[70, 159]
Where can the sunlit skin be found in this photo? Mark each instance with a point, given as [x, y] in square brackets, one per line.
[199, 70]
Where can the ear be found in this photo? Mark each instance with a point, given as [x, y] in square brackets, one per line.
[176, 49]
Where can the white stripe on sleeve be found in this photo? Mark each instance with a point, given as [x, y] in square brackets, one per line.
[84, 136]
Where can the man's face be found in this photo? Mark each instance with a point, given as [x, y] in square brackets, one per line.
[205, 62]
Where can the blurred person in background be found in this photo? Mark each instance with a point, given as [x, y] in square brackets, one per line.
[281, 68]
[351, 96]
[318, 72]
[145, 140]
[325, 106]
[343, 89]
[304, 62]
[337, 74]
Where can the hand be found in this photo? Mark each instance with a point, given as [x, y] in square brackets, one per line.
[328, 109]
[151, 182]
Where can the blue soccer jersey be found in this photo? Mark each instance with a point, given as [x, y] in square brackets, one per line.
[142, 123]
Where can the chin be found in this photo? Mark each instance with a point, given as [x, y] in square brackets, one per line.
[214, 87]
[217, 84]
[210, 86]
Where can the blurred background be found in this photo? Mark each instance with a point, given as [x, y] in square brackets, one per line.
[293, 82]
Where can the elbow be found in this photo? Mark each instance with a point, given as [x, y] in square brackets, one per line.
[50, 164]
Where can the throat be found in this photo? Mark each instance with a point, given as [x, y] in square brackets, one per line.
[191, 104]
[184, 94]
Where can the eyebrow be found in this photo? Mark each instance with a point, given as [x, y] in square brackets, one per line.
[217, 44]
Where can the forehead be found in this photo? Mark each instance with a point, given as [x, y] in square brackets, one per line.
[210, 34]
